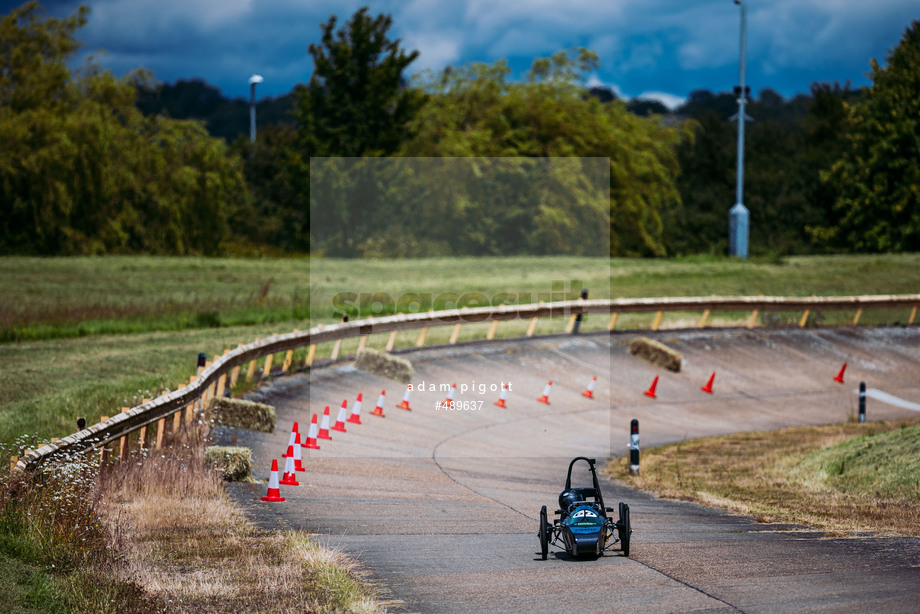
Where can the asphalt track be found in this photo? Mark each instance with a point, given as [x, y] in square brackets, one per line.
[442, 507]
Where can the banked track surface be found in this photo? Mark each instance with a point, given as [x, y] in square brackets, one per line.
[442, 507]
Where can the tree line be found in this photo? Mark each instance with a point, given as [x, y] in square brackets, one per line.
[363, 161]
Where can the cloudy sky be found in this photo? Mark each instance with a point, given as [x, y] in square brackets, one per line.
[649, 48]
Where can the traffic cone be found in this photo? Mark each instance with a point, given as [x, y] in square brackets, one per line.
[651, 389]
[298, 456]
[355, 416]
[546, 389]
[708, 386]
[324, 426]
[449, 401]
[839, 377]
[291, 439]
[311, 435]
[501, 396]
[340, 419]
[589, 391]
[378, 410]
[289, 479]
[274, 493]
[404, 404]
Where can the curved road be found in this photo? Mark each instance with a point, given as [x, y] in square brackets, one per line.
[442, 507]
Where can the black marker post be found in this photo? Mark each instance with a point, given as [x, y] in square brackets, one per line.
[634, 447]
[862, 402]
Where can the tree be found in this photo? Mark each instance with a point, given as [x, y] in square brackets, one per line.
[83, 171]
[476, 111]
[356, 103]
[877, 177]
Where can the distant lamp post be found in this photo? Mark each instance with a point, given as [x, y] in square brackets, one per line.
[738, 217]
[252, 106]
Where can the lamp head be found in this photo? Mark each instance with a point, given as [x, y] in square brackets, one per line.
[258, 78]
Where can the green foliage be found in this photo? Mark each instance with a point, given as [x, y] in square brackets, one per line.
[476, 110]
[83, 171]
[877, 176]
[355, 103]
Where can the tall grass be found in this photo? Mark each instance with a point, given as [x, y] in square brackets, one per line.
[123, 538]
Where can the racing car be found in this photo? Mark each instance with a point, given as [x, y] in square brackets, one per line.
[583, 525]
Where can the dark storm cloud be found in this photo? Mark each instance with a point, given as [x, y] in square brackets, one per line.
[669, 47]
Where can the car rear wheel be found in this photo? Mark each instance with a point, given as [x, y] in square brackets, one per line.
[544, 533]
[624, 528]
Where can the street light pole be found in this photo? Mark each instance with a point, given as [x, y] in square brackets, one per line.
[738, 217]
[252, 106]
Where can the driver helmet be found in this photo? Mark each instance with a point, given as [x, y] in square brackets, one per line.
[568, 498]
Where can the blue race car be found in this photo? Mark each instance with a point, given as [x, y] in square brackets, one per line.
[583, 524]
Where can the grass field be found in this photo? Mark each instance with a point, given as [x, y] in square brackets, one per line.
[846, 478]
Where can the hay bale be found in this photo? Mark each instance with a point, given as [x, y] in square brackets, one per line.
[241, 414]
[656, 353]
[234, 464]
[382, 363]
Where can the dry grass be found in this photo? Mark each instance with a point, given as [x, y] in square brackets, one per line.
[656, 353]
[188, 546]
[384, 364]
[776, 476]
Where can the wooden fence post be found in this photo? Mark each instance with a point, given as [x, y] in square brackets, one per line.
[657, 322]
[391, 342]
[335, 350]
[804, 319]
[455, 334]
[753, 319]
[613, 320]
[913, 314]
[123, 447]
[703, 319]
[310, 356]
[492, 329]
[857, 316]
[531, 327]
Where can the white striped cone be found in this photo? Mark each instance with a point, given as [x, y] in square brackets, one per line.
[311, 435]
[340, 419]
[298, 455]
[502, 396]
[546, 389]
[290, 441]
[289, 479]
[378, 411]
[405, 402]
[355, 416]
[449, 401]
[274, 492]
[324, 426]
[589, 391]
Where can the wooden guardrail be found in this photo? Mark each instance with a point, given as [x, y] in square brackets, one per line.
[213, 379]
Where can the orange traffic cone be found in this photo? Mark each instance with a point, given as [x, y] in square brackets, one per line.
[589, 391]
[355, 417]
[839, 377]
[404, 404]
[298, 456]
[449, 401]
[311, 435]
[324, 426]
[708, 386]
[502, 396]
[274, 492]
[378, 410]
[289, 479]
[340, 419]
[546, 389]
[291, 439]
[651, 389]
